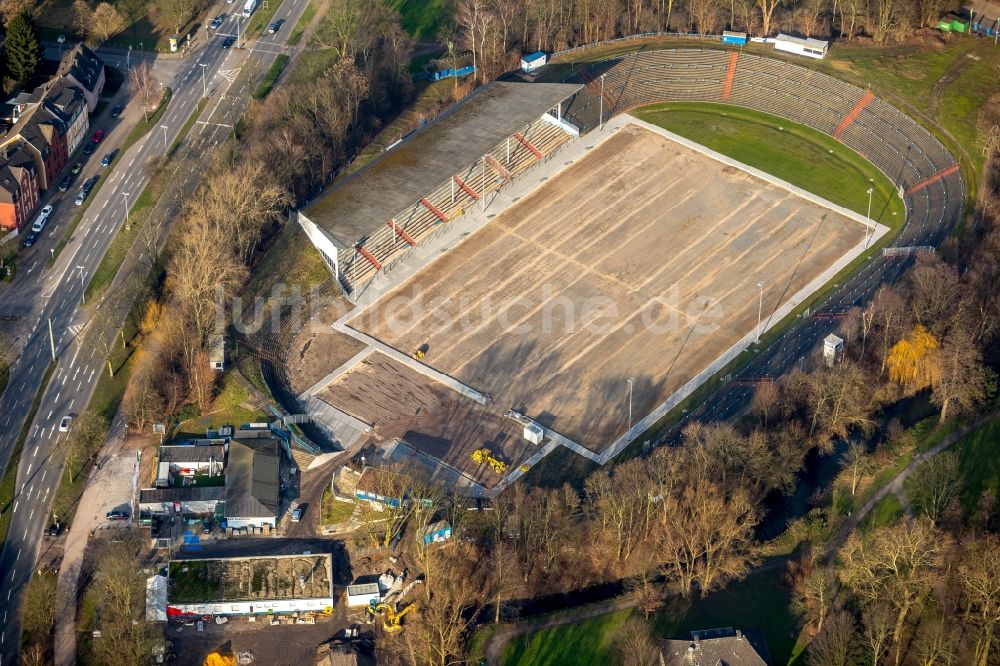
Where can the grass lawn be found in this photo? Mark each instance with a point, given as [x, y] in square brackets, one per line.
[261, 18]
[979, 463]
[422, 19]
[226, 409]
[271, 77]
[189, 582]
[292, 261]
[795, 153]
[334, 511]
[760, 602]
[886, 512]
[300, 26]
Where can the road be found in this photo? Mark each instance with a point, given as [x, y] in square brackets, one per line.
[41, 295]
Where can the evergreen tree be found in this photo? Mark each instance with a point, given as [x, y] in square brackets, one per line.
[22, 52]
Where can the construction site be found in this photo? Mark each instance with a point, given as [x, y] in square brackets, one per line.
[615, 283]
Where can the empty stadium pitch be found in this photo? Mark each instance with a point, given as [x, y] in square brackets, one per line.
[636, 267]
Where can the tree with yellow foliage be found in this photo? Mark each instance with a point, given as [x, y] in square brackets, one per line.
[914, 361]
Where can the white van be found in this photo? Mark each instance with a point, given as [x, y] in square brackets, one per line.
[43, 217]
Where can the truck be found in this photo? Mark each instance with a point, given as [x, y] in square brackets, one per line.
[249, 7]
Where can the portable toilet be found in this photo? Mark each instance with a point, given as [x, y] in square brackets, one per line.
[832, 348]
[534, 433]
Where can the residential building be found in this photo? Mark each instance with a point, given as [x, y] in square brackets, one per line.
[67, 102]
[81, 67]
[18, 188]
[711, 647]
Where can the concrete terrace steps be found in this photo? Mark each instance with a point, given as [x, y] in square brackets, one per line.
[418, 222]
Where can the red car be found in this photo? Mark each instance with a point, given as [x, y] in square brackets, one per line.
[98, 135]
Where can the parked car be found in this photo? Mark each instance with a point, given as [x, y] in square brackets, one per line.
[116, 110]
[77, 168]
[65, 423]
[53, 530]
[88, 184]
[88, 148]
[206, 526]
[29, 240]
[109, 158]
[297, 515]
[98, 136]
[117, 514]
[66, 182]
[228, 41]
[215, 23]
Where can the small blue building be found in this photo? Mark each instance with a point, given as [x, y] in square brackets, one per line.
[730, 37]
[533, 61]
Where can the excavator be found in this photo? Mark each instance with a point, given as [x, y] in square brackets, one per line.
[485, 456]
[393, 618]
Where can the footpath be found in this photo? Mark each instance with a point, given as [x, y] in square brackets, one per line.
[506, 632]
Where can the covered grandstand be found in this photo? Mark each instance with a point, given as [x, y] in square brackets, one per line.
[370, 219]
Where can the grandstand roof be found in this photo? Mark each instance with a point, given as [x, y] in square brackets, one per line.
[364, 201]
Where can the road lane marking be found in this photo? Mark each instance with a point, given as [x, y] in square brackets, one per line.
[15, 506]
[49, 416]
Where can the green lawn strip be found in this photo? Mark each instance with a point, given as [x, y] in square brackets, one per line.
[143, 126]
[886, 512]
[143, 206]
[761, 601]
[120, 244]
[311, 64]
[261, 18]
[796, 154]
[107, 397]
[189, 583]
[292, 261]
[422, 19]
[186, 128]
[475, 648]
[4, 375]
[8, 484]
[267, 83]
[300, 26]
[132, 137]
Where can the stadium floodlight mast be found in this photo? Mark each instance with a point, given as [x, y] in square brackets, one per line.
[871, 225]
[629, 380]
[601, 117]
[760, 310]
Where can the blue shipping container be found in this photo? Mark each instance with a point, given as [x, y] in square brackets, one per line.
[734, 37]
[465, 71]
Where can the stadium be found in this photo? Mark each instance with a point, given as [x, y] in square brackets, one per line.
[538, 256]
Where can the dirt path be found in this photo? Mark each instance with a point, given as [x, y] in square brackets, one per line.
[507, 632]
[954, 69]
[896, 484]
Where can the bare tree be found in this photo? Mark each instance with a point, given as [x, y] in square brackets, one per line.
[837, 644]
[894, 565]
[878, 631]
[39, 604]
[934, 485]
[143, 84]
[857, 463]
[635, 644]
[173, 14]
[979, 581]
[105, 22]
[963, 380]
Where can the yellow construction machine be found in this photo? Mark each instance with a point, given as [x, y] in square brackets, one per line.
[393, 618]
[485, 456]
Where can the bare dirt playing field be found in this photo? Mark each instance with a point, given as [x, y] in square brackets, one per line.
[641, 260]
[431, 418]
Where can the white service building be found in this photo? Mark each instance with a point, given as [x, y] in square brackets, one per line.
[803, 46]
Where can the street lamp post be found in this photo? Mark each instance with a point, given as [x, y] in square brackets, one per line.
[600, 122]
[83, 287]
[127, 223]
[164, 128]
[204, 86]
[760, 310]
[629, 380]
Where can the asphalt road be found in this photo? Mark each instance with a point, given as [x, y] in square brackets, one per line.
[40, 295]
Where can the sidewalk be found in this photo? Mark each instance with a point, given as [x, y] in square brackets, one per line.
[87, 516]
